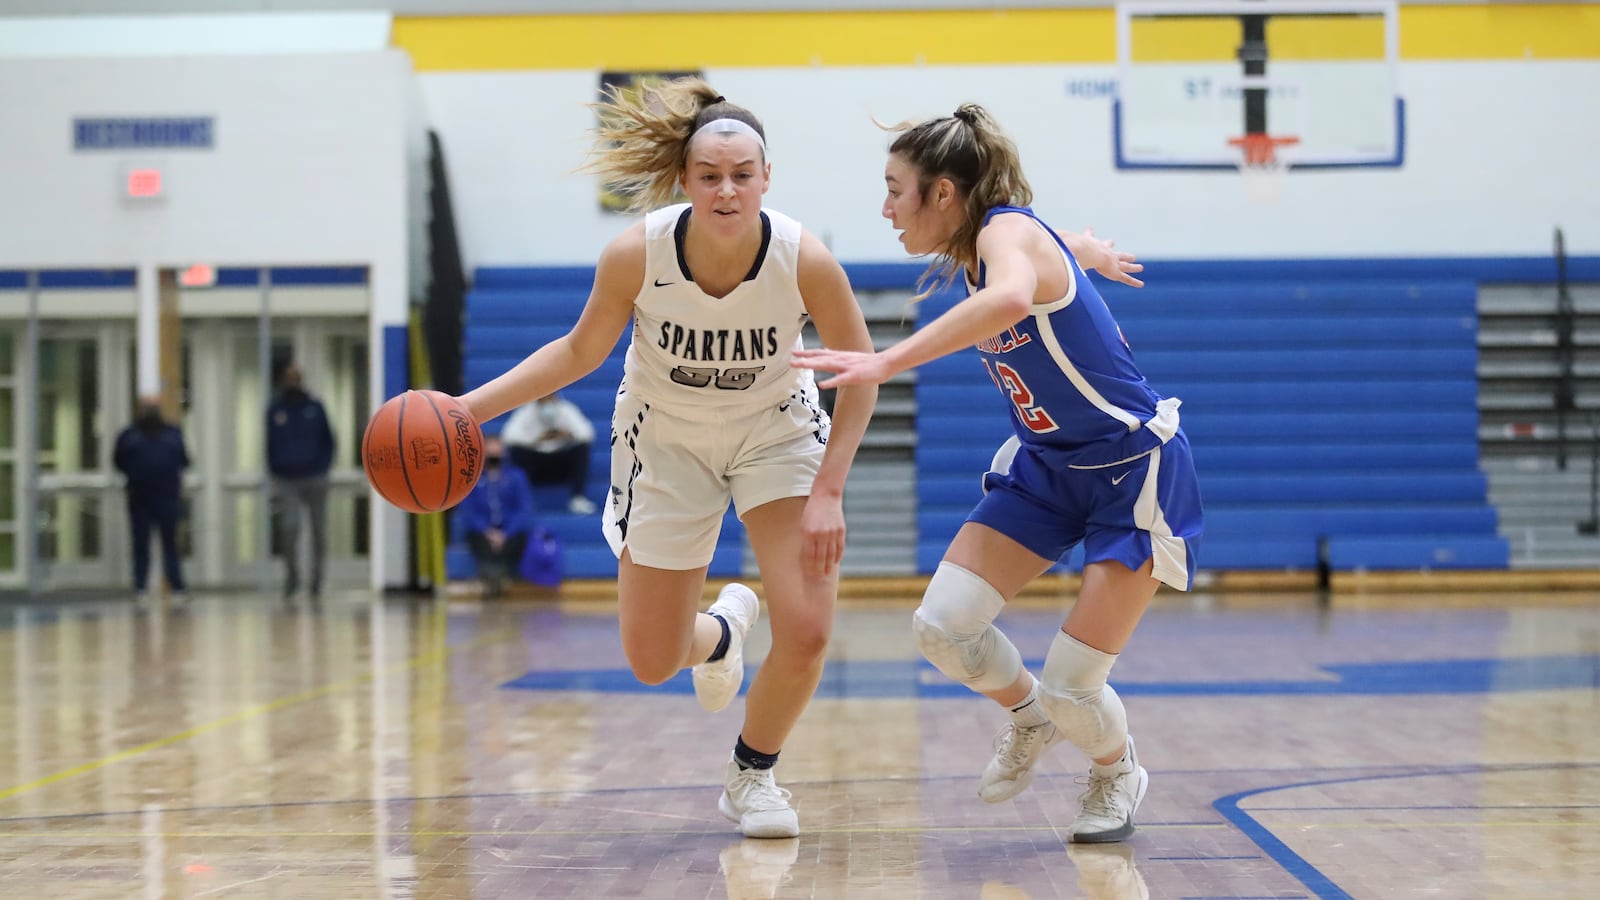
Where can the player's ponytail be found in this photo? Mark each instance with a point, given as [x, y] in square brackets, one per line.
[642, 140]
[968, 148]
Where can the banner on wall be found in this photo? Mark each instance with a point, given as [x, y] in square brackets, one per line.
[630, 83]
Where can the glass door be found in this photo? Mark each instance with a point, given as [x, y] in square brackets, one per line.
[242, 546]
[82, 520]
[11, 484]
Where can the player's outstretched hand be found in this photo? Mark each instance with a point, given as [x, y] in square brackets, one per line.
[848, 366]
[1114, 264]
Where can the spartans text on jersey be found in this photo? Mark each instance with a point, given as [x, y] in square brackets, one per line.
[719, 344]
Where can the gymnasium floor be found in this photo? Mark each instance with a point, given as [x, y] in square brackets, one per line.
[1436, 746]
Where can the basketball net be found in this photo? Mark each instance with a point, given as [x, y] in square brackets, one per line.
[1261, 168]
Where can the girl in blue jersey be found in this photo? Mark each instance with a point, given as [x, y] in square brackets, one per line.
[1097, 458]
[709, 412]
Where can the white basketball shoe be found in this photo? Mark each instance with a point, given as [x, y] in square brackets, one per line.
[717, 683]
[1017, 750]
[1113, 796]
[753, 799]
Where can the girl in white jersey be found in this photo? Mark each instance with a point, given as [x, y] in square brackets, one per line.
[1097, 458]
[711, 411]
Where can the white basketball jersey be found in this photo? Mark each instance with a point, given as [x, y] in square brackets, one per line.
[691, 349]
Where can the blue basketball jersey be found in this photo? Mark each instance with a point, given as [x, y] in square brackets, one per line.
[1069, 377]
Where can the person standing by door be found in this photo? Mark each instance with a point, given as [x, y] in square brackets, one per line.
[151, 455]
[300, 449]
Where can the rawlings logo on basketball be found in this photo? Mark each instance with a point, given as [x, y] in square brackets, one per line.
[467, 452]
[426, 452]
[384, 458]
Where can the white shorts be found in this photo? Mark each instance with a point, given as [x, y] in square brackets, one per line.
[674, 470]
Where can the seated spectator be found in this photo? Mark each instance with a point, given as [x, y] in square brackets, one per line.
[550, 440]
[497, 518]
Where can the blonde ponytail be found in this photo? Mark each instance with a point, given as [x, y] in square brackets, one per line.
[642, 139]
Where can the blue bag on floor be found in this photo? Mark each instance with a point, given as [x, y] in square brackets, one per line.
[541, 562]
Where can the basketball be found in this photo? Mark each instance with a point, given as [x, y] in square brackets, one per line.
[423, 451]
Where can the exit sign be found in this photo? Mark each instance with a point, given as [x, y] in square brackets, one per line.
[143, 183]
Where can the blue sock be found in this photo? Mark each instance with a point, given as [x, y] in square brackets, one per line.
[752, 759]
[722, 645]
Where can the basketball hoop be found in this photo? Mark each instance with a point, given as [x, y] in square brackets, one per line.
[1261, 168]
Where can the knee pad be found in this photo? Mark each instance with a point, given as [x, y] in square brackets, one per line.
[955, 630]
[1080, 703]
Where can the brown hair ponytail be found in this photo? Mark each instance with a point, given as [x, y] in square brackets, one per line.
[968, 148]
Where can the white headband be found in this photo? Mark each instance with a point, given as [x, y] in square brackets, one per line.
[731, 126]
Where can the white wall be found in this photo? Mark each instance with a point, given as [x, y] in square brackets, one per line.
[308, 165]
[1498, 154]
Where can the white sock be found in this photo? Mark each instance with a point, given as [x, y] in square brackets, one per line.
[1029, 712]
[1123, 765]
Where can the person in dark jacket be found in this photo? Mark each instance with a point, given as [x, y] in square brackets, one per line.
[299, 454]
[497, 518]
[151, 455]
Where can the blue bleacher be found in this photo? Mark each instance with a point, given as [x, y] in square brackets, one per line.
[1330, 406]
[1330, 409]
[510, 312]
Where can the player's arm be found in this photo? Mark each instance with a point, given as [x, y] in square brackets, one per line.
[837, 316]
[1096, 255]
[1009, 285]
[581, 350]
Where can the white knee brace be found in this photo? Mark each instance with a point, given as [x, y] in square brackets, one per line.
[955, 630]
[1081, 704]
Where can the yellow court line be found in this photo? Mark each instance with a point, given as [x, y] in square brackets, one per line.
[240, 716]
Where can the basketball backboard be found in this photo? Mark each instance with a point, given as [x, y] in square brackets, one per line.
[1203, 82]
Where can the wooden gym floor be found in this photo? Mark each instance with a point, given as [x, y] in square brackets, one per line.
[1440, 744]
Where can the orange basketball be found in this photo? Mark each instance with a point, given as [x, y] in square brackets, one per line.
[423, 451]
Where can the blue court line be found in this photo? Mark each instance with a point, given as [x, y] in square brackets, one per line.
[1454, 806]
[916, 678]
[1319, 884]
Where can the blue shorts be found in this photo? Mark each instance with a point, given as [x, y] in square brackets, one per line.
[1143, 508]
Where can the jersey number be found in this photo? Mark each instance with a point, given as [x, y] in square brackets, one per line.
[1007, 379]
[725, 379]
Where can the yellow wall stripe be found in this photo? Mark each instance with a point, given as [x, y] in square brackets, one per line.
[1165, 39]
[1168, 39]
[1502, 31]
[1345, 37]
[902, 38]
[757, 39]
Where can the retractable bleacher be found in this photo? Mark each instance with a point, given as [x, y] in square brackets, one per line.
[1333, 420]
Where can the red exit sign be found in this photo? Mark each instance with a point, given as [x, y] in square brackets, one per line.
[144, 183]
